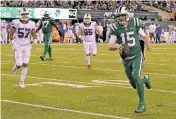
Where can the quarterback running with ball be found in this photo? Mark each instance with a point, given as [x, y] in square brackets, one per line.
[125, 36]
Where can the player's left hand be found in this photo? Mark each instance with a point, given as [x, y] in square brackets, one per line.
[12, 42]
[34, 41]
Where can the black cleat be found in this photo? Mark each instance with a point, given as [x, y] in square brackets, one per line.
[42, 58]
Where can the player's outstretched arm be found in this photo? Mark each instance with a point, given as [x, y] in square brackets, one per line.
[11, 33]
[146, 39]
[99, 31]
[79, 33]
[39, 27]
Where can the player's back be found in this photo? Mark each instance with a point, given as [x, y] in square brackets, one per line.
[88, 32]
[23, 31]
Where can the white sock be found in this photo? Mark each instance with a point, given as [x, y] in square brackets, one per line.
[87, 59]
[23, 73]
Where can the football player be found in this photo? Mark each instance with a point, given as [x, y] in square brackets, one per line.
[3, 26]
[171, 38]
[125, 36]
[46, 24]
[20, 35]
[88, 29]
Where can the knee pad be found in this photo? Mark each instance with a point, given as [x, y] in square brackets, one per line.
[18, 66]
[24, 65]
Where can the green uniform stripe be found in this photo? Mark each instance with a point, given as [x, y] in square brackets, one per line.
[120, 9]
[140, 69]
[114, 26]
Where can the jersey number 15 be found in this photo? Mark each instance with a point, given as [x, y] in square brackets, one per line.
[128, 37]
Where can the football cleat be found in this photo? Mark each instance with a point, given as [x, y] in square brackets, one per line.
[141, 108]
[49, 58]
[22, 84]
[147, 84]
[14, 69]
[89, 66]
[42, 58]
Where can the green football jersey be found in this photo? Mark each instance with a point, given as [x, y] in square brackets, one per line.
[47, 24]
[128, 35]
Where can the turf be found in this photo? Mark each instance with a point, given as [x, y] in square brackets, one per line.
[71, 91]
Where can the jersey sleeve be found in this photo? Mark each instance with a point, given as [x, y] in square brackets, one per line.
[53, 22]
[138, 23]
[95, 24]
[80, 26]
[113, 27]
[33, 25]
[15, 23]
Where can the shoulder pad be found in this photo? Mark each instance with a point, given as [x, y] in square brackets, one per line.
[52, 18]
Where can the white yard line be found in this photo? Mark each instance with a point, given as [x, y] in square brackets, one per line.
[99, 60]
[65, 110]
[39, 63]
[99, 83]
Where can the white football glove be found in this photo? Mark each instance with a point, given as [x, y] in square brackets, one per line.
[12, 41]
[34, 41]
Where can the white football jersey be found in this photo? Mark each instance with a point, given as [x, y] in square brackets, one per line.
[88, 32]
[22, 34]
[171, 28]
[3, 26]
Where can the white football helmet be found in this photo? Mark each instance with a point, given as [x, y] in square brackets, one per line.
[24, 14]
[87, 18]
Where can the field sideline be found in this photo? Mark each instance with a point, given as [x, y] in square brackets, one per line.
[65, 89]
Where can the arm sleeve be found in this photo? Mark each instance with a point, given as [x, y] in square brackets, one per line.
[14, 24]
[141, 33]
[113, 39]
[53, 22]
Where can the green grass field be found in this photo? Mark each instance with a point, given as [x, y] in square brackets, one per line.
[65, 89]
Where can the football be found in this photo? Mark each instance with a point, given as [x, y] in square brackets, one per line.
[125, 50]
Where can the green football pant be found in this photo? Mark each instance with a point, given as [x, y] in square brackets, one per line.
[47, 48]
[133, 69]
